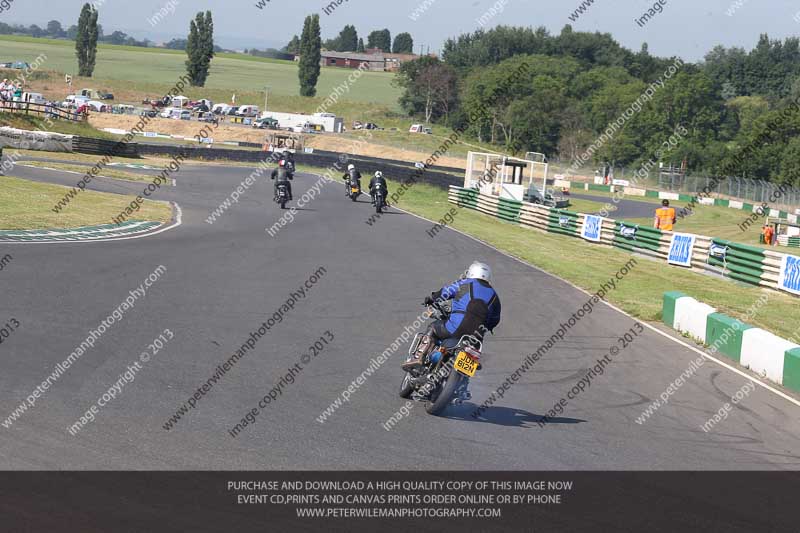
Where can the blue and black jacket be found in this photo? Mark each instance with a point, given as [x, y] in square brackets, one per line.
[475, 303]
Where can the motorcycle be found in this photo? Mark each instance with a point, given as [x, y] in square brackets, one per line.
[379, 200]
[355, 190]
[443, 378]
[282, 194]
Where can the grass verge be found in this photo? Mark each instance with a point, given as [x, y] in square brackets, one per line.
[107, 172]
[27, 205]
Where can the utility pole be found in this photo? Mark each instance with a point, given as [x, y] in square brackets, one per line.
[266, 96]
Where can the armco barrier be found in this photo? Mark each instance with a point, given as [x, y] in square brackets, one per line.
[88, 145]
[762, 352]
[399, 171]
[736, 261]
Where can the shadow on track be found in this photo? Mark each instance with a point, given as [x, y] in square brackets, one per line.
[503, 416]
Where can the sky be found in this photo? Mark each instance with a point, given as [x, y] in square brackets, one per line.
[686, 28]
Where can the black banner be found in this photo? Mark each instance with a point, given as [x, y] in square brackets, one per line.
[399, 501]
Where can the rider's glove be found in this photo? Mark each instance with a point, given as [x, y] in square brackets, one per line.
[428, 300]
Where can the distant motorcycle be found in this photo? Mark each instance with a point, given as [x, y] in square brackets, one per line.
[443, 379]
[282, 194]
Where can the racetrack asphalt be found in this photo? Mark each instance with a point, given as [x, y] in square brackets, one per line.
[223, 280]
[626, 209]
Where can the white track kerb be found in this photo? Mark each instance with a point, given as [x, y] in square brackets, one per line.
[764, 353]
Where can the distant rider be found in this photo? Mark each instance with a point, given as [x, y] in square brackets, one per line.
[376, 183]
[475, 309]
[282, 175]
[352, 176]
[287, 161]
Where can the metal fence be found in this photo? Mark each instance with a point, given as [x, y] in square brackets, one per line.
[744, 189]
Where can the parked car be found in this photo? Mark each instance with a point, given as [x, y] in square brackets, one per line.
[220, 109]
[266, 123]
[100, 107]
[208, 117]
[167, 112]
[184, 114]
[232, 110]
[200, 108]
[158, 103]
[150, 113]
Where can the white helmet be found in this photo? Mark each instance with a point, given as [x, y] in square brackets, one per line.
[351, 167]
[379, 174]
[479, 270]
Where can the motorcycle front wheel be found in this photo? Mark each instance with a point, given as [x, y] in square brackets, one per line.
[445, 396]
[405, 387]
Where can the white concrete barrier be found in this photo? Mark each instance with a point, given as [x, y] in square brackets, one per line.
[763, 353]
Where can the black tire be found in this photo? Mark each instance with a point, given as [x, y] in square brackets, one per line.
[445, 396]
[283, 204]
[405, 387]
[378, 206]
[354, 197]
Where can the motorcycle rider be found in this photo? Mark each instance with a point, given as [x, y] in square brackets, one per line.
[287, 161]
[352, 176]
[475, 309]
[282, 175]
[378, 182]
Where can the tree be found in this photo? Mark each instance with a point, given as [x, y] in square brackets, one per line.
[403, 44]
[430, 88]
[200, 48]
[72, 32]
[380, 39]
[176, 44]
[86, 40]
[360, 47]
[294, 46]
[36, 31]
[310, 56]
[348, 39]
[54, 29]
[117, 37]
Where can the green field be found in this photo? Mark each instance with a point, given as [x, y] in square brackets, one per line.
[147, 69]
[27, 205]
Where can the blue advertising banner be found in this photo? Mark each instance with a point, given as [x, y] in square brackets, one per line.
[680, 250]
[790, 274]
[591, 228]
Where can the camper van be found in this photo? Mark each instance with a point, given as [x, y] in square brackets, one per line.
[248, 111]
[33, 98]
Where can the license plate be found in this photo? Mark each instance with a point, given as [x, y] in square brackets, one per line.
[354, 189]
[466, 364]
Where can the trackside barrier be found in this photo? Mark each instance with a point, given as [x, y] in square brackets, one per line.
[762, 352]
[735, 261]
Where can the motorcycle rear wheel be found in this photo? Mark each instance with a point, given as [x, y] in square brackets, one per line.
[446, 393]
